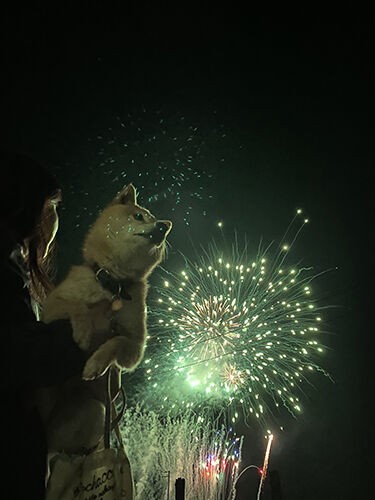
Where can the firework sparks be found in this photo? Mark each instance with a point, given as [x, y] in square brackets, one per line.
[161, 449]
[166, 156]
[234, 332]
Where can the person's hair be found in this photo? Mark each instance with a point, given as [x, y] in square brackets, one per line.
[40, 257]
[29, 194]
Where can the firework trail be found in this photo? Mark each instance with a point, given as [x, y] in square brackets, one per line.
[161, 449]
[234, 333]
[264, 469]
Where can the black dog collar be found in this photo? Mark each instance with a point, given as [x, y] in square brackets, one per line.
[116, 287]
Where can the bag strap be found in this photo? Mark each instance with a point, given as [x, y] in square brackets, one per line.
[108, 415]
[110, 409]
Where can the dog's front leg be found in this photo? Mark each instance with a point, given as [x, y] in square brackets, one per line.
[119, 351]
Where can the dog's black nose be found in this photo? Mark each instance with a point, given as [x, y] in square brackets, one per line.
[162, 227]
[160, 230]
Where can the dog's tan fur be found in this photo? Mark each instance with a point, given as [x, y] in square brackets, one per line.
[112, 333]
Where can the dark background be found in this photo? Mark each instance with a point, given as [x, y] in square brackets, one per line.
[284, 114]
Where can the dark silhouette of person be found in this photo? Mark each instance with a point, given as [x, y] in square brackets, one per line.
[33, 354]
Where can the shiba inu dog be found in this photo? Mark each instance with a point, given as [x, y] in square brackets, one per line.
[105, 300]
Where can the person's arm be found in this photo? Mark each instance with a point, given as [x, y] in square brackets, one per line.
[39, 355]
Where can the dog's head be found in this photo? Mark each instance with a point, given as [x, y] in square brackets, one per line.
[126, 239]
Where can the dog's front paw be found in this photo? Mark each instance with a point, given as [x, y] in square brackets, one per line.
[95, 367]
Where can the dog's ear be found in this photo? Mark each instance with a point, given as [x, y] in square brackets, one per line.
[128, 194]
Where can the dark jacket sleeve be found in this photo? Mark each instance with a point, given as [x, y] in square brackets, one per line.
[39, 355]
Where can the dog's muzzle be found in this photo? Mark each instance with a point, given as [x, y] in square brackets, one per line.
[157, 235]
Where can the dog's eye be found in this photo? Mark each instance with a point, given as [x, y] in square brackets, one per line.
[138, 216]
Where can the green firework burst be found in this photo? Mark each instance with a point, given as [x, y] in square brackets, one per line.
[235, 333]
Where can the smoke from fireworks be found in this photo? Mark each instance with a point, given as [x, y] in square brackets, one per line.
[234, 333]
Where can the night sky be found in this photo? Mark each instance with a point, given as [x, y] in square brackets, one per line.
[281, 115]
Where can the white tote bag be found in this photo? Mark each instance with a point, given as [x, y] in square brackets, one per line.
[104, 474]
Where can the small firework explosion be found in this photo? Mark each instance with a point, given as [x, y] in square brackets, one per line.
[235, 333]
[161, 450]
